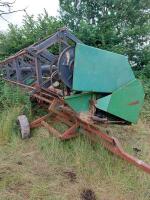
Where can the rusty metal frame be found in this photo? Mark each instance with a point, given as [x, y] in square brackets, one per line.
[38, 52]
[70, 118]
[58, 109]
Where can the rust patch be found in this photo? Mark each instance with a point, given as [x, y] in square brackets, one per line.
[133, 103]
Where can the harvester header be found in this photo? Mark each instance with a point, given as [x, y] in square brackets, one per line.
[82, 86]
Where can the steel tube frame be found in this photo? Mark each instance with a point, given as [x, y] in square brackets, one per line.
[110, 143]
[66, 115]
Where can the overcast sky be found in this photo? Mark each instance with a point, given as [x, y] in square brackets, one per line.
[33, 7]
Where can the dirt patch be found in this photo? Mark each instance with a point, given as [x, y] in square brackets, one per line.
[20, 188]
[71, 176]
[19, 163]
[88, 194]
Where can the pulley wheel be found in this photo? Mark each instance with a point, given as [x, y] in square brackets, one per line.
[66, 65]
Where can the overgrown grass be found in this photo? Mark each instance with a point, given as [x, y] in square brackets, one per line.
[45, 161]
[13, 102]
[144, 76]
[96, 168]
[13, 96]
[8, 124]
[36, 168]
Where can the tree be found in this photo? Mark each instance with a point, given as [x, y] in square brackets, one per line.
[6, 8]
[117, 25]
[31, 31]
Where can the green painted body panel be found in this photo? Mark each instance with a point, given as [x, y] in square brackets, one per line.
[99, 70]
[103, 103]
[79, 102]
[126, 102]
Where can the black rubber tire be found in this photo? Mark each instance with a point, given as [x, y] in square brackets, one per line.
[24, 126]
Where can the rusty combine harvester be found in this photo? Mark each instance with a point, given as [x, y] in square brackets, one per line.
[81, 86]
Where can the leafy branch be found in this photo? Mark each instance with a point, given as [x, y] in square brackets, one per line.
[6, 8]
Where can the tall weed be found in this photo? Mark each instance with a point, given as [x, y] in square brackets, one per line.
[13, 102]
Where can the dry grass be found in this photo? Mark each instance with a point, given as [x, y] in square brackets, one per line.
[42, 167]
